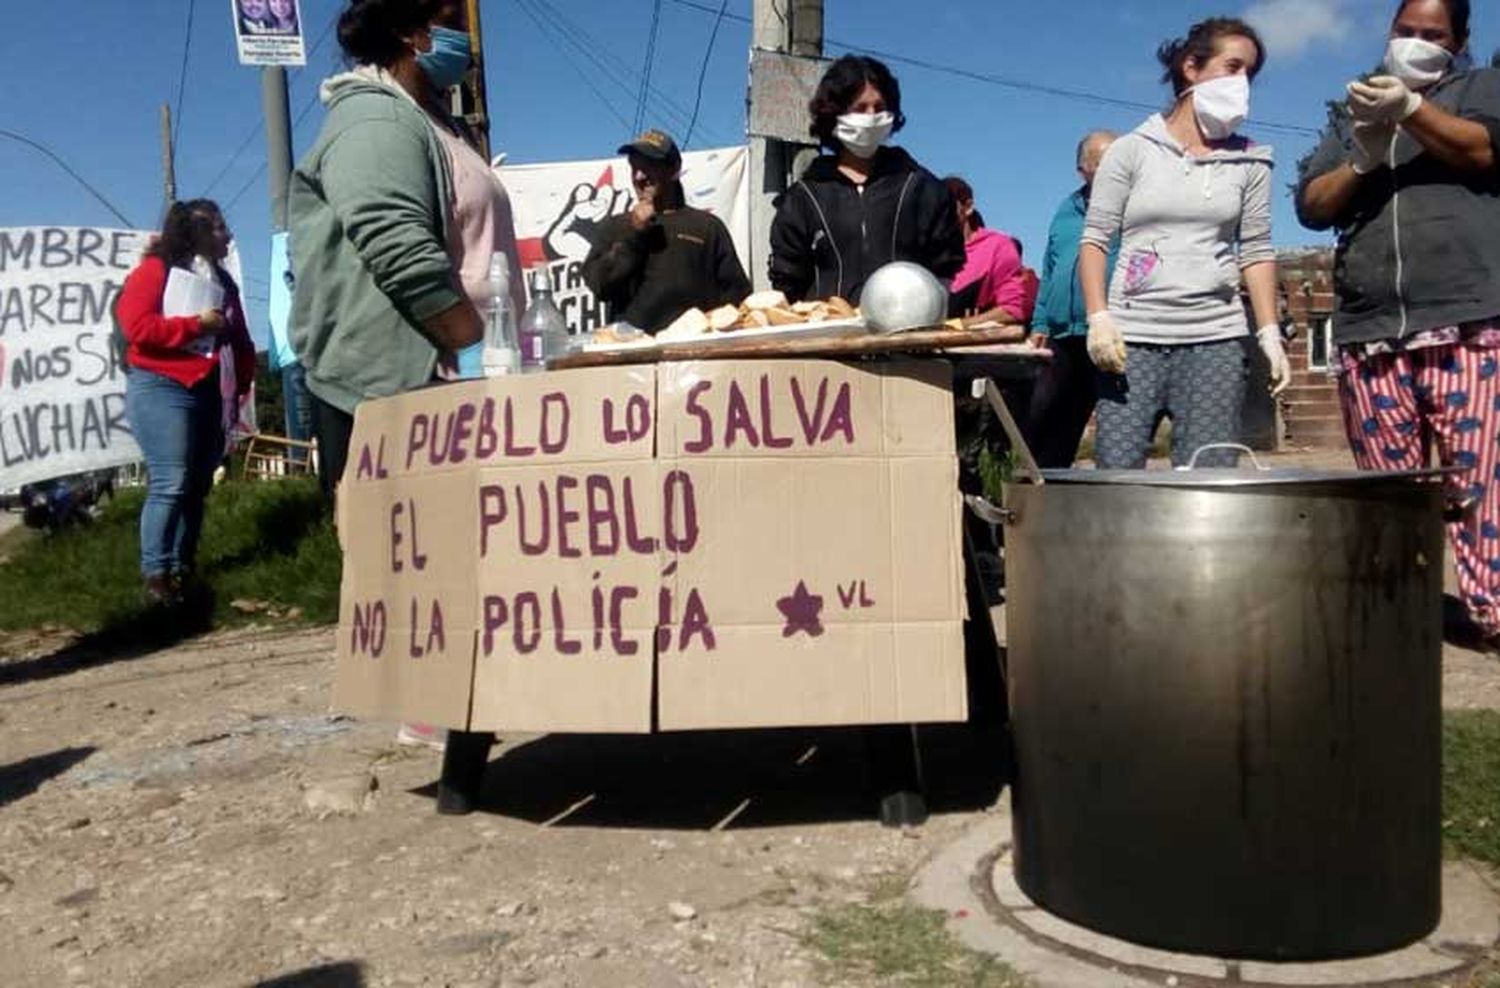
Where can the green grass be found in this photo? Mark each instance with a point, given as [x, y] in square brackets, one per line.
[895, 943]
[1471, 784]
[263, 541]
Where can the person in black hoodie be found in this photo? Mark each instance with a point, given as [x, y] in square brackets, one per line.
[865, 204]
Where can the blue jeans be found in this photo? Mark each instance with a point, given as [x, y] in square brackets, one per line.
[181, 433]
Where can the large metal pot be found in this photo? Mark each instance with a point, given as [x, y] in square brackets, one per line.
[1225, 691]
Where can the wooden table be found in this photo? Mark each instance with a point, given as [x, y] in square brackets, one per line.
[1003, 348]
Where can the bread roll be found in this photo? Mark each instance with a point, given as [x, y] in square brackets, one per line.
[724, 317]
[769, 299]
[690, 324]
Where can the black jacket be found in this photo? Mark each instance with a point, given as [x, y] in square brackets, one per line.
[1419, 246]
[649, 277]
[828, 237]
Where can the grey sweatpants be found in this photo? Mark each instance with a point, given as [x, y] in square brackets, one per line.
[1199, 386]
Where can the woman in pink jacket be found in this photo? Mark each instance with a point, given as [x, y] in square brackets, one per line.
[992, 285]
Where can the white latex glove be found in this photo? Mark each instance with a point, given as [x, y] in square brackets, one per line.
[1106, 344]
[1382, 99]
[1372, 146]
[1269, 337]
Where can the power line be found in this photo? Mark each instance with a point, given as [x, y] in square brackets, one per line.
[577, 68]
[69, 169]
[307, 105]
[1080, 95]
[249, 136]
[703, 72]
[615, 68]
[244, 188]
[640, 106]
[255, 128]
[187, 46]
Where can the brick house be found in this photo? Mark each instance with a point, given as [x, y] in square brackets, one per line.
[1310, 417]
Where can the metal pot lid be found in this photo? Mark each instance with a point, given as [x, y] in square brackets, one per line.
[1217, 478]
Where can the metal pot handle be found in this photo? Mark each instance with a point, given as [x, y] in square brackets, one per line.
[1193, 463]
[989, 512]
[1026, 469]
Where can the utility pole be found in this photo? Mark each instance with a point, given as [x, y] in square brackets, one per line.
[807, 42]
[277, 110]
[768, 169]
[168, 160]
[474, 104]
[788, 26]
[807, 28]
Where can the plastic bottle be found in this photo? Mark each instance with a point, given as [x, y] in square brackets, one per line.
[502, 354]
[544, 332]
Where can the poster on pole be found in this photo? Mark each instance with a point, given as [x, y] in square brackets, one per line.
[558, 206]
[268, 32]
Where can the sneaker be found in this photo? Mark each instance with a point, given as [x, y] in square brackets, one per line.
[421, 736]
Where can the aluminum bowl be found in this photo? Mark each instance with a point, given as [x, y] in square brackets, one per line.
[902, 295]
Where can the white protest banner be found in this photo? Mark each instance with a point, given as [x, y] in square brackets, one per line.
[558, 206]
[62, 392]
[268, 32]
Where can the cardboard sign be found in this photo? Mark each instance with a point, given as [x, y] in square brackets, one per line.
[700, 545]
[781, 87]
[558, 206]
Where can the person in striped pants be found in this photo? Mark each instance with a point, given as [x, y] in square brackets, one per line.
[1409, 177]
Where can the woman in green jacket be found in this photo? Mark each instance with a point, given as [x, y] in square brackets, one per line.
[377, 300]
[379, 304]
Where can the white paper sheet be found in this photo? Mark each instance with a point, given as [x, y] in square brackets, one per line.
[188, 294]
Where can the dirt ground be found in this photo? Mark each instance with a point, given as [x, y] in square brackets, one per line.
[195, 817]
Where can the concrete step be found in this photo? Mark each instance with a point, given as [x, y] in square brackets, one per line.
[1307, 395]
[1319, 433]
[1316, 410]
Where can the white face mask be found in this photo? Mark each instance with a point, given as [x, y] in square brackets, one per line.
[863, 133]
[1221, 105]
[1417, 63]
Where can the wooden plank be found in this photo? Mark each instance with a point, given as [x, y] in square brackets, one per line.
[873, 344]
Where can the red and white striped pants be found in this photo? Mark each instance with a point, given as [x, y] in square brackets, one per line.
[1400, 404]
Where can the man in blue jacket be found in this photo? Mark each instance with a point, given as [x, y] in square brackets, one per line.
[1063, 400]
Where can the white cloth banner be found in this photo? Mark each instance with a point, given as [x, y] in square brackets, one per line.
[558, 206]
[62, 392]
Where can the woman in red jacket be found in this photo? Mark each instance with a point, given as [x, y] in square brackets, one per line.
[172, 395]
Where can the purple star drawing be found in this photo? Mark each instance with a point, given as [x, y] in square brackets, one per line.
[802, 610]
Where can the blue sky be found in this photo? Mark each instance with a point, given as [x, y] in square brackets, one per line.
[94, 76]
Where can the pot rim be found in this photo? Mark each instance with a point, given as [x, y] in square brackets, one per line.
[1226, 478]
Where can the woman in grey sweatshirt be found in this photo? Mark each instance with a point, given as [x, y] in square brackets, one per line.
[1191, 203]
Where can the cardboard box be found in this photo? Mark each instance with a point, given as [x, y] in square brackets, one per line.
[695, 545]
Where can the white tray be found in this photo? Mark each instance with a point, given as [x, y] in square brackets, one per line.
[831, 329]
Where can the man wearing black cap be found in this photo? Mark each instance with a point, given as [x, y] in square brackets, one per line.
[663, 257]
